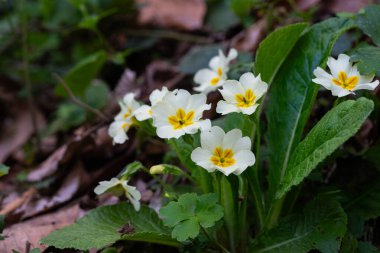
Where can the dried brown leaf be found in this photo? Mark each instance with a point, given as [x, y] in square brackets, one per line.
[184, 15]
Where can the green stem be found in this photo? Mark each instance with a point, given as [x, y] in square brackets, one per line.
[253, 176]
[242, 214]
[274, 213]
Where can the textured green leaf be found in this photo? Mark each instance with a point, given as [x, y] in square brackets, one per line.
[321, 226]
[339, 124]
[3, 170]
[274, 49]
[292, 93]
[369, 22]
[81, 75]
[368, 59]
[104, 225]
[189, 213]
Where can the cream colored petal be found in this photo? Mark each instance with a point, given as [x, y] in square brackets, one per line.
[242, 144]
[204, 76]
[367, 86]
[250, 110]
[244, 159]
[157, 95]
[224, 107]
[168, 132]
[323, 78]
[248, 80]
[231, 138]
[232, 54]
[212, 138]
[143, 113]
[202, 157]
[341, 64]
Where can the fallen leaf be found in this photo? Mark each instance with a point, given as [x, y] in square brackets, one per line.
[31, 231]
[346, 6]
[17, 202]
[184, 15]
[249, 39]
[17, 130]
[61, 156]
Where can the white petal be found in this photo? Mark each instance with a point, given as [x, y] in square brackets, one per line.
[212, 138]
[226, 170]
[341, 64]
[247, 80]
[157, 95]
[243, 143]
[339, 91]
[143, 113]
[230, 89]
[260, 89]
[201, 157]
[367, 86]
[204, 76]
[366, 79]
[197, 103]
[225, 108]
[249, 110]
[232, 54]
[168, 132]
[323, 78]
[205, 88]
[231, 138]
[117, 131]
[244, 159]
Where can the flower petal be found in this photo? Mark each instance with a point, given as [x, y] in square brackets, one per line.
[225, 108]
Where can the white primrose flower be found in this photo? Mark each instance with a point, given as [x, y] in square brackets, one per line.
[344, 78]
[180, 113]
[119, 188]
[124, 119]
[209, 79]
[145, 111]
[227, 152]
[128, 107]
[241, 96]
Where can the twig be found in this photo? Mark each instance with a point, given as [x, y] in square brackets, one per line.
[77, 101]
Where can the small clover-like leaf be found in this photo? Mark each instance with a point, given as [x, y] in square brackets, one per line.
[191, 212]
[186, 229]
[131, 169]
[368, 59]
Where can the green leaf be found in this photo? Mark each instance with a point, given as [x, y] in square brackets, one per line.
[4, 170]
[368, 59]
[220, 17]
[274, 49]
[339, 124]
[104, 226]
[96, 95]
[235, 120]
[322, 225]
[81, 75]
[2, 218]
[292, 93]
[369, 22]
[131, 169]
[241, 8]
[191, 212]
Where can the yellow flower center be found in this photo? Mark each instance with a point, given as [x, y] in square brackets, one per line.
[223, 158]
[346, 82]
[125, 125]
[220, 71]
[214, 81]
[246, 100]
[150, 112]
[181, 119]
[127, 114]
